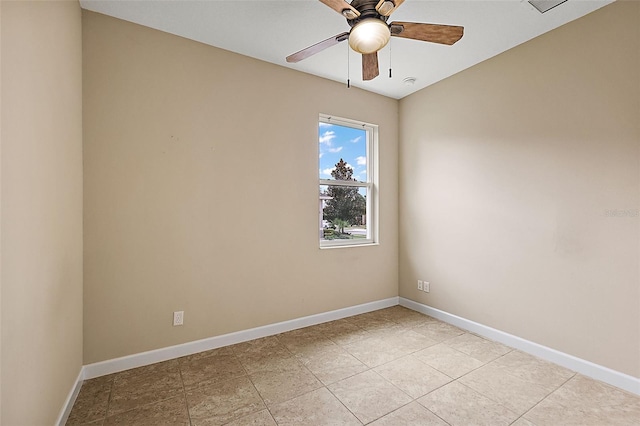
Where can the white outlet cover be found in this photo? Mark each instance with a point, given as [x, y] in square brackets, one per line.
[178, 318]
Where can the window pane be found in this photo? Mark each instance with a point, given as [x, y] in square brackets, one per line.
[342, 152]
[343, 213]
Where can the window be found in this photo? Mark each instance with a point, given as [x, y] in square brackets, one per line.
[347, 182]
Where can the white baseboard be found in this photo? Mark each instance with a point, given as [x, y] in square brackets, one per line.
[598, 372]
[71, 399]
[164, 354]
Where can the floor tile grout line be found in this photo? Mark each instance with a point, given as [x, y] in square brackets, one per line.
[479, 367]
[516, 377]
[428, 408]
[506, 369]
[392, 384]
[244, 416]
[419, 397]
[548, 395]
[84, 419]
[261, 397]
[404, 405]
[440, 371]
[106, 411]
[240, 362]
[372, 369]
[302, 364]
[343, 404]
[248, 376]
[325, 386]
[489, 397]
[266, 406]
[184, 394]
[485, 396]
[137, 407]
[419, 350]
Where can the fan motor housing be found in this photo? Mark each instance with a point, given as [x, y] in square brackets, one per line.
[367, 9]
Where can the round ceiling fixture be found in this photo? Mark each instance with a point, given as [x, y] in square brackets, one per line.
[369, 36]
[409, 81]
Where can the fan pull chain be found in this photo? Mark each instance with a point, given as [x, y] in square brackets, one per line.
[348, 69]
[389, 58]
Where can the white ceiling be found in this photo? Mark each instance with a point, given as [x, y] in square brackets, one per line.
[271, 30]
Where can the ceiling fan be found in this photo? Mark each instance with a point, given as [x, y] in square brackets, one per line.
[370, 31]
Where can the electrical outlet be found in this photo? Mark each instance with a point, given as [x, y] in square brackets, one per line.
[419, 284]
[426, 286]
[178, 318]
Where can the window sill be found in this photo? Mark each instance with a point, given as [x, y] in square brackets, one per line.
[339, 246]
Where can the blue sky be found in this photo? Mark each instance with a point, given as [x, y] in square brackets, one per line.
[336, 142]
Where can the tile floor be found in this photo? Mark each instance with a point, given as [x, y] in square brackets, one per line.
[389, 367]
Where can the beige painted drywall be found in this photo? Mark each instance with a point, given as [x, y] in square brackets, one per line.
[201, 171]
[0, 211]
[519, 190]
[41, 208]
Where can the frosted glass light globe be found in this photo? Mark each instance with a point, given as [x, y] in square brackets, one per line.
[369, 35]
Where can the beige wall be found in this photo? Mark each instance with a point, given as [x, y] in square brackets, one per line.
[507, 171]
[201, 171]
[0, 211]
[41, 214]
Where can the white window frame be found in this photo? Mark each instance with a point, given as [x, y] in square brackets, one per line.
[371, 131]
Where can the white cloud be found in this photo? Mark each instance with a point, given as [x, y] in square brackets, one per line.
[324, 125]
[327, 137]
[356, 140]
[321, 154]
[335, 150]
[327, 172]
[361, 161]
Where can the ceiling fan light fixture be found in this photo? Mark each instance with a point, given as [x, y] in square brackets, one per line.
[369, 36]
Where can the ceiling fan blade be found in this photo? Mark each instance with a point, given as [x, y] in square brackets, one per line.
[434, 33]
[370, 66]
[386, 11]
[340, 6]
[318, 47]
